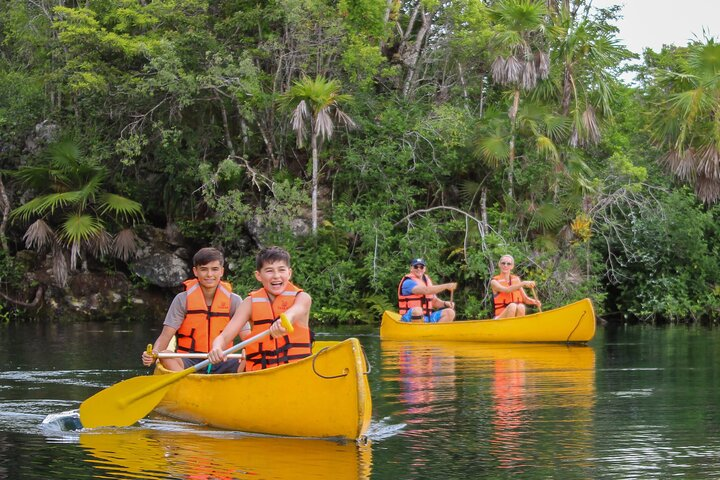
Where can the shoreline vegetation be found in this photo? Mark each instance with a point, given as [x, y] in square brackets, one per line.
[357, 135]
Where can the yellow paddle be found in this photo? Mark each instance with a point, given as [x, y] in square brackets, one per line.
[130, 400]
[535, 298]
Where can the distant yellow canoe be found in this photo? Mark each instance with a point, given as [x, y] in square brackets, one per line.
[323, 396]
[571, 323]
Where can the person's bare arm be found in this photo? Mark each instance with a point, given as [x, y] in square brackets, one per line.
[498, 287]
[421, 289]
[160, 345]
[298, 314]
[231, 330]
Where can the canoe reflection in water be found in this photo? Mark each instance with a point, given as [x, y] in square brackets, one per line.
[499, 398]
[536, 384]
[150, 453]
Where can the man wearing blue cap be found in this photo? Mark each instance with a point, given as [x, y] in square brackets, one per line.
[417, 300]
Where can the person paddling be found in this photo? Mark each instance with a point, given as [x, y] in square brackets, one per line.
[261, 311]
[417, 299]
[509, 298]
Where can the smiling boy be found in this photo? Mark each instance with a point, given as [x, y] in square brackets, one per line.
[198, 315]
[262, 308]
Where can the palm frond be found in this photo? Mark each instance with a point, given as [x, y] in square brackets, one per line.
[513, 70]
[547, 216]
[100, 245]
[39, 236]
[529, 76]
[709, 162]
[59, 266]
[125, 244]
[556, 126]
[79, 228]
[119, 206]
[542, 63]
[469, 189]
[324, 125]
[498, 69]
[298, 120]
[493, 149]
[344, 119]
[35, 177]
[546, 147]
[46, 204]
[681, 163]
[707, 189]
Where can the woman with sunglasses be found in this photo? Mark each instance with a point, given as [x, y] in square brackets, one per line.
[509, 298]
[417, 299]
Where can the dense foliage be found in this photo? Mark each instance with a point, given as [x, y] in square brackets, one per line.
[359, 134]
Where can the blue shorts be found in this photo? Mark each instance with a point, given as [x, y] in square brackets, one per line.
[228, 366]
[433, 318]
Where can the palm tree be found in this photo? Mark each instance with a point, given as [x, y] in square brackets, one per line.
[519, 58]
[72, 209]
[589, 54]
[315, 111]
[685, 120]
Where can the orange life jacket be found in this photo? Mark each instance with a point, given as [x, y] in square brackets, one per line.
[201, 326]
[272, 352]
[407, 302]
[503, 299]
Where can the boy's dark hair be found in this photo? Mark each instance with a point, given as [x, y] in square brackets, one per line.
[207, 255]
[271, 255]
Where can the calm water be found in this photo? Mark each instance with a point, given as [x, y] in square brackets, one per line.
[638, 402]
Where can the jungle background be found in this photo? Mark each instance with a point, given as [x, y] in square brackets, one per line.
[357, 134]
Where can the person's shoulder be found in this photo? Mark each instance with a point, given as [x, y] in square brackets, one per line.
[303, 294]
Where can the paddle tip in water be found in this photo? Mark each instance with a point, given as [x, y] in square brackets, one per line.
[63, 421]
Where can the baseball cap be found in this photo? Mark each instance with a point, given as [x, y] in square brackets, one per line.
[417, 261]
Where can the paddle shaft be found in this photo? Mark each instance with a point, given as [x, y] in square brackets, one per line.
[535, 298]
[186, 355]
[174, 377]
[193, 355]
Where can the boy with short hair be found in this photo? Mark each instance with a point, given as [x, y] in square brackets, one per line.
[262, 309]
[198, 315]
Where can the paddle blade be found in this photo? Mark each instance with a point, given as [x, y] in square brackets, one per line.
[116, 406]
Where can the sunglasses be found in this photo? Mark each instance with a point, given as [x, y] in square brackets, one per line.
[419, 266]
[505, 263]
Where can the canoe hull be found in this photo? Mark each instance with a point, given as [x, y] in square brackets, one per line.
[323, 396]
[572, 323]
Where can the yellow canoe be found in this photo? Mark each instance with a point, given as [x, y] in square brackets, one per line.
[572, 323]
[326, 395]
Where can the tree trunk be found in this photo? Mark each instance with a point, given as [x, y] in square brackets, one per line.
[513, 126]
[412, 57]
[5, 206]
[314, 182]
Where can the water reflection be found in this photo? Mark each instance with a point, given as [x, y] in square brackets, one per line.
[150, 453]
[496, 399]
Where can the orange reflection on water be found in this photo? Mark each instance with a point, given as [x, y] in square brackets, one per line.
[528, 379]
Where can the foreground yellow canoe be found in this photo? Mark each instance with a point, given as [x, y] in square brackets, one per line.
[323, 396]
[571, 323]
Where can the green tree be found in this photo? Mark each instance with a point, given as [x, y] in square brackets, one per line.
[685, 116]
[73, 212]
[519, 48]
[315, 105]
